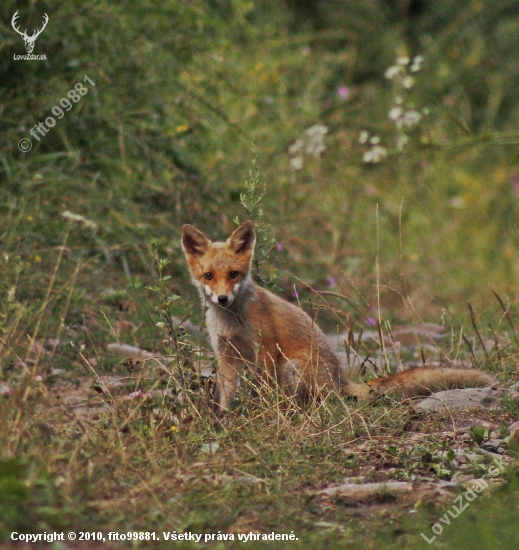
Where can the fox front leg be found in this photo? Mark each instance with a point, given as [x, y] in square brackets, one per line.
[231, 361]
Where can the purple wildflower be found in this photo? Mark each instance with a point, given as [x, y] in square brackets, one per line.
[343, 92]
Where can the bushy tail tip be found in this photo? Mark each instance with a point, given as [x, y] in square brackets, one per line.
[420, 381]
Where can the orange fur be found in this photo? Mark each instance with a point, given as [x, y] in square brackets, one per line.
[248, 324]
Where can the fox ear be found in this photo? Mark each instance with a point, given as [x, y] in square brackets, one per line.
[243, 238]
[194, 242]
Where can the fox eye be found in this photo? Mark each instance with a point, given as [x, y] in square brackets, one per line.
[233, 274]
[208, 276]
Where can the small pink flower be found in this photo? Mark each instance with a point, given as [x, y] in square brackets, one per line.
[135, 394]
[371, 322]
[294, 294]
[278, 246]
[343, 92]
[331, 281]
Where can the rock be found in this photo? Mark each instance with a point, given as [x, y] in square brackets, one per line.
[405, 336]
[357, 480]
[465, 426]
[207, 371]
[514, 426]
[462, 400]
[109, 384]
[210, 447]
[56, 372]
[473, 457]
[460, 458]
[488, 454]
[458, 455]
[444, 484]
[189, 327]
[52, 343]
[462, 478]
[349, 451]
[410, 336]
[493, 445]
[129, 351]
[160, 393]
[513, 442]
[362, 492]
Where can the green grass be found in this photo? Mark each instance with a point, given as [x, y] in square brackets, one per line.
[146, 463]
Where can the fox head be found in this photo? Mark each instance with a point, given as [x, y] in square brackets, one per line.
[220, 270]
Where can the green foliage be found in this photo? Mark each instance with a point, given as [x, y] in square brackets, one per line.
[174, 342]
[478, 434]
[163, 136]
[29, 501]
[486, 523]
[251, 200]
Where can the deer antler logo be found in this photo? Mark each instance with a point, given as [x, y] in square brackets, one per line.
[29, 40]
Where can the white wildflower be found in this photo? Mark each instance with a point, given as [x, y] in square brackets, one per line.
[363, 137]
[315, 141]
[408, 82]
[378, 153]
[367, 157]
[79, 219]
[375, 154]
[315, 149]
[411, 118]
[296, 146]
[401, 141]
[417, 64]
[296, 163]
[312, 143]
[395, 113]
[318, 131]
[393, 71]
[375, 140]
[402, 61]
[457, 202]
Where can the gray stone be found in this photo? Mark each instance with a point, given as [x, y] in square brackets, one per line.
[462, 478]
[361, 492]
[492, 445]
[514, 426]
[462, 400]
[513, 442]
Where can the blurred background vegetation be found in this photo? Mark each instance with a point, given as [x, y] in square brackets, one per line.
[182, 89]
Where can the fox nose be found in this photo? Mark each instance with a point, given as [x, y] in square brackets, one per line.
[223, 299]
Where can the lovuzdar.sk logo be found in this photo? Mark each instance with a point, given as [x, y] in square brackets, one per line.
[29, 40]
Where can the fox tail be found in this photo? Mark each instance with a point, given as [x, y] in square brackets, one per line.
[420, 381]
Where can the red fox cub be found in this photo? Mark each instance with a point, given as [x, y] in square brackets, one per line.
[249, 325]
